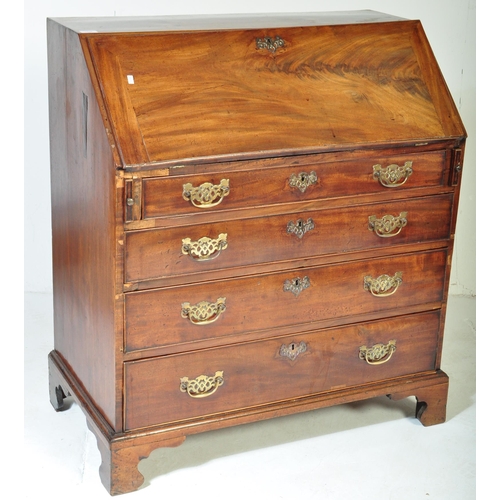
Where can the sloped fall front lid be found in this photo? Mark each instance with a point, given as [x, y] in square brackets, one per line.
[182, 94]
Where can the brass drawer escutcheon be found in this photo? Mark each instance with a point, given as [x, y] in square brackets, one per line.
[303, 180]
[300, 227]
[296, 285]
[205, 248]
[202, 386]
[207, 195]
[393, 175]
[270, 44]
[384, 285]
[293, 350]
[378, 354]
[388, 226]
[203, 313]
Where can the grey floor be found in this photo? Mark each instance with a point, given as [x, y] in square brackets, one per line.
[374, 449]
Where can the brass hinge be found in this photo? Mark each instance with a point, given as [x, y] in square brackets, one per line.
[456, 163]
[133, 199]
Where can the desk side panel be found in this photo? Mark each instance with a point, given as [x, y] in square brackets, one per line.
[84, 211]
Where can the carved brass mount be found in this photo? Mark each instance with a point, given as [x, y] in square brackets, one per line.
[388, 226]
[203, 313]
[205, 248]
[207, 195]
[296, 285]
[300, 227]
[202, 386]
[270, 44]
[393, 175]
[303, 180]
[384, 285]
[293, 350]
[378, 354]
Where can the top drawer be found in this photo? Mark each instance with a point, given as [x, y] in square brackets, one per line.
[227, 189]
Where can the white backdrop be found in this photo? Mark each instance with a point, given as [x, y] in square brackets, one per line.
[449, 25]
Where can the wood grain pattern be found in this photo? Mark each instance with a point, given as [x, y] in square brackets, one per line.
[117, 468]
[135, 115]
[257, 188]
[154, 254]
[431, 401]
[255, 373]
[83, 210]
[295, 98]
[153, 318]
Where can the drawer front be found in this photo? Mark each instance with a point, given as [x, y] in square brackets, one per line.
[162, 253]
[167, 196]
[185, 314]
[218, 380]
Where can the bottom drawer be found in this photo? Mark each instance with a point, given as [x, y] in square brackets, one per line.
[207, 382]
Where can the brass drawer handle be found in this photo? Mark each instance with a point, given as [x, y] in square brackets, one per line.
[296, 285]
[270, 44]
[207, 195]
[293, 350]
[202, 386]
[388, 226]
[203, 313]
[300, 227]
[384, 285]
[378, 354]
[302, 180]
[393, 175]
[205, 248]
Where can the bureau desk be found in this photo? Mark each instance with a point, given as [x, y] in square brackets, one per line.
[253, 216]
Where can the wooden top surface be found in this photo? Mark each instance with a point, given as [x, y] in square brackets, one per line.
[124, 24]
[177, 95]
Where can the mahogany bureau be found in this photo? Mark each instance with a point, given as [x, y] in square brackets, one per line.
[252, 216]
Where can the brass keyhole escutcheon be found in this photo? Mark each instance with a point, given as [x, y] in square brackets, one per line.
[296, 285]
[302, 180]
[293, 350]
[300, 227]
[269, 43]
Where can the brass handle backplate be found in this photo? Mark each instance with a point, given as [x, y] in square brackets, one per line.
[300, 227]
[384, 285]
[202, 386]
[393, 175]
[207, 195]
[270, 44]
[377, 354]
[205, 248]
[296, 285]
[388, 226]
[302, 180]
[204, 312]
